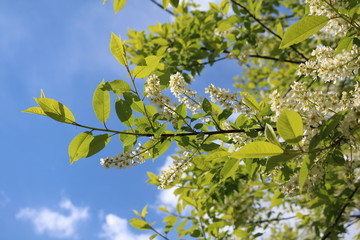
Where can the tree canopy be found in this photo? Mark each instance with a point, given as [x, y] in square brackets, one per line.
[278, 153]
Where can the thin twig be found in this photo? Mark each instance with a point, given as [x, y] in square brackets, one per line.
[160, 6]
[266, 27]
[330, 229]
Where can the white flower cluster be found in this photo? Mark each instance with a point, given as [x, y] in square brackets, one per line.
[222, 96]
[317, 106]
[124, 159]
[155, 95]
[238, 138]
[331, 67]
[336, 25]
[183, 94]
[179, 165]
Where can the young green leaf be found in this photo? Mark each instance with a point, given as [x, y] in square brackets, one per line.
[140, 224]
[118, 87]
[165, 3]
[117, 48]
[118, 5]
[290, 126]
[230, 167]
[55, 110]
[141, 71]
[144, 211]
[304, 172]
[174, 3]
[258, 150]
[274, 161]
[303, 29]
[250, 101]
[101, 103]
[85, 145]
[271, 135]
[80, 146]
[344, 43]
[124, 112]
[36, 110]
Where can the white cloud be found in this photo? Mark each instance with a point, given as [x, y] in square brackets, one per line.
[167, 198]
[53, 223]
[117, 228]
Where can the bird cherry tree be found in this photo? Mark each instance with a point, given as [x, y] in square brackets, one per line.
[275, 157]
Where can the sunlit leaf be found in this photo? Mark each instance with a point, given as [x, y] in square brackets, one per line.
[118, 5]
[230, 167]
[36, 110]
[117, 48]
[85, 145]
[290, 126]
[55, 110]
[140, 224]
[101, 103]
[258, 150]
[303, 29]
[271, 135]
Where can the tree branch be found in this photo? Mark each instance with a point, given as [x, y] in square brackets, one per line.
[267, 28]
[160, 6]
[329, 230]
[167, 135]
[272, 220]
[276, 59]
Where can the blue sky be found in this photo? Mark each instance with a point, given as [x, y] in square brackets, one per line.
[63, 48]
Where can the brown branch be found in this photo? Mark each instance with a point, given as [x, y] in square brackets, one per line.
[167, 135]
[160, 6]
[272, 220]
[267, 28]
[329, 230]
[276, 59]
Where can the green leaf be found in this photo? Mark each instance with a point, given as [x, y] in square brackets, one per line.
[174, 3]
[140, 224]
[303, 29]
[230, 168]
[304, 172]
[55, 110]
[165, 3]
[272, 162]
[258, 150]
[80, 146]
[124, 112]
[85, 145]
[117, 48]
[344, 43]
[118, 87]
[206, 105]
[290, 126]
[181, 110]
[144, 211]
[141, 71]
[36, 110]
[250, 101]
[270, 135]
[98, 143]
[118, 5]
[101, 103]
[170, 222]
[42, 94]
